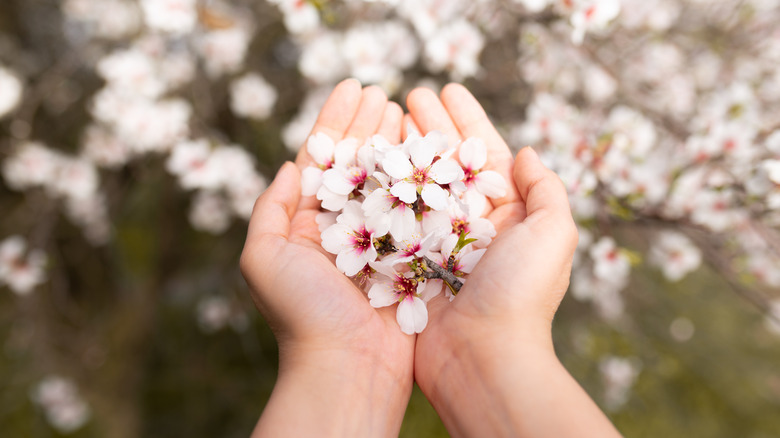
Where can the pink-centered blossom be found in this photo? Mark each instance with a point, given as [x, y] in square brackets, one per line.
[21, 273]
[352, 239]
[473, 156]
[402, 288]
[422, 172]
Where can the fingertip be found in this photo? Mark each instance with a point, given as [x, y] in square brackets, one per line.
[414, 96]
[408, 126]
[392, 121]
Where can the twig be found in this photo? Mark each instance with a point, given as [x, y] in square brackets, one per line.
[440, 272]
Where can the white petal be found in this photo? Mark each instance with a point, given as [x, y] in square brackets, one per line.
[350, 262]
[366, 158]
[325, 220]
[473, 153]
[491, 184]
[469, 260]
[412, 315]
[380, 200]
[433, 289]
[435, 196]
[331, 201]
[405, 191]
[397, 165]
[383, 269]
[344, 154]
[422, 153]
[352, 215]
[436, 221]
[311, 180]
[446, 171]
[402, 222]
[335, 238]
[438, 139]
[334, 180]
[321, 148]
[382, 295]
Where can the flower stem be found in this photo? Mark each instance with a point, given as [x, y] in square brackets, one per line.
[433, 270]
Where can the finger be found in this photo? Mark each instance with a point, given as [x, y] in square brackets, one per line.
[546, 200]
[369, 113]
[430, 115]
[274, 209]
[471, 121]
[336, 115]
[408, 126]
[390, 127]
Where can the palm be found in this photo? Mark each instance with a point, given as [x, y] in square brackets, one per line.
[302, 294]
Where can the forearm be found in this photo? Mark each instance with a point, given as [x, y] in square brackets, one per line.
[519, 390]
[333, 394]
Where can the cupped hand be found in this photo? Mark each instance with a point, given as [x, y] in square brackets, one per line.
[323, 323]
[512, 294]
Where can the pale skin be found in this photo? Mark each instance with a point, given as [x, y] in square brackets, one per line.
[485, 361]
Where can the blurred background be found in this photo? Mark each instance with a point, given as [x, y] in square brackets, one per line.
[135, 136]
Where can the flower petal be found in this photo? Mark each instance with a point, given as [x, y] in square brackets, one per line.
[412, 315]
[405, 191]
[469, 260]
[321, 148]
[473, 153]
[350, 261]
[336, 238]
[397, 165]
[491, 184]
[382, 295]
[435, 196]
[335, 180]
[331, 201]
[446, 171]
[344, 153]
[422, 153]
[311, 180]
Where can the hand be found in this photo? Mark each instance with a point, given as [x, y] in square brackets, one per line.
[486, 360]
[345, 368]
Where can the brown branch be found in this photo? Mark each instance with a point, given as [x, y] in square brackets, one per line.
[441, 273]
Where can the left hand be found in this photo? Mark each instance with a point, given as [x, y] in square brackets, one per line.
[344, 368]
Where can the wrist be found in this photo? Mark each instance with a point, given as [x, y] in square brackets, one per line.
[336, 392]
[468, 377]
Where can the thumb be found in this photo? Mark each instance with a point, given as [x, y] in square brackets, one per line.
[275, 208]
[545, 197]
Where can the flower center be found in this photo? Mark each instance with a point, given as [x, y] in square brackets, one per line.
[361, 239]
[419, 176]
[405, 286]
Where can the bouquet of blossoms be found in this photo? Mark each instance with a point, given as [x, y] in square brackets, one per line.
[406, 221]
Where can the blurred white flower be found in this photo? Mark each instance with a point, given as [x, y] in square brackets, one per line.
[177, 17]
[609, 261]
[213, 313]
[675, 254]
[190, 161]
[10, 91]
[589, 15]
[110, 19]
[76, 178]
[322, 60]
[223, 50]
[252, 96]
[20, 273]
[209, 212]
[300, 16]
[32, 164]
[64, 409]
[103, 148]
[456, 48]
[619, 375]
